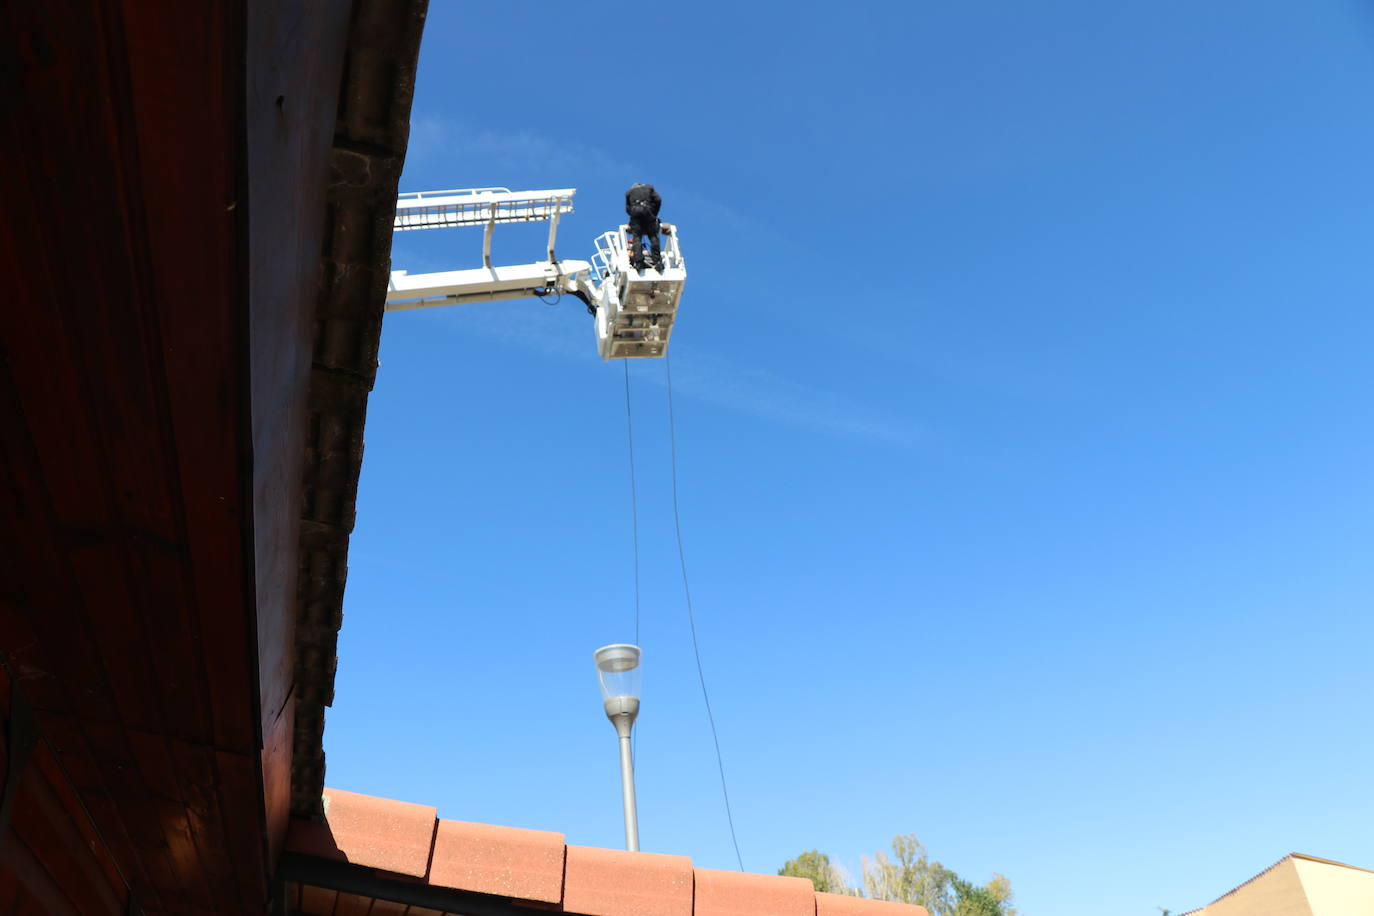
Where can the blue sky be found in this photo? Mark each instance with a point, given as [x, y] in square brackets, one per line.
[1024, 432]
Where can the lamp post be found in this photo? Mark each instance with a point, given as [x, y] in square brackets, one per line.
[617, 669]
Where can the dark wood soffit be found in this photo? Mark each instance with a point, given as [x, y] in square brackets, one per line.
[293, 76]
[125, 596]
[161, 222]
[370, 136]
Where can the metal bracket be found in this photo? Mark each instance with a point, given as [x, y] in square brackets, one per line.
[486, 240]
[553, 233]
[22, 736]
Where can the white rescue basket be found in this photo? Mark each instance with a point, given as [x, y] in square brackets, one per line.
[636, 308]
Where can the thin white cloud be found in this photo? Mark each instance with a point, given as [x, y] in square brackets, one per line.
[440, 140]
[769, 395]
[746, 389]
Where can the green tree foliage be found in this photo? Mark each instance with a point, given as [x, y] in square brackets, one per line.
[991, 899]
[817, 867]
[999, 888]
[909, 875]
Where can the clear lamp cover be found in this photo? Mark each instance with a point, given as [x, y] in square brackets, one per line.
[617, 668]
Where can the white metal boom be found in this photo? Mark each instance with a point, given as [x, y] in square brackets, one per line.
[635, 308]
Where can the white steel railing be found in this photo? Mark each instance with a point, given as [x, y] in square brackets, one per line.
[479, 206]
[612, 250]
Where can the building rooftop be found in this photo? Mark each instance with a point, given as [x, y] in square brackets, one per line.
[1298, 885]
[370, 854]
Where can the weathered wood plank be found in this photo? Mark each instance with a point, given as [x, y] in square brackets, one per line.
[153, 761]
[50, 830]
[200, 796]
[87, 834]
[101, 575]
[69, 744]
[43, 893]
[43, 594]
[142, 814]
[318, 901]
[191, 212]
[240, 776]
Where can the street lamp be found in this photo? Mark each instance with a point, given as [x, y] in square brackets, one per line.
[617, 668]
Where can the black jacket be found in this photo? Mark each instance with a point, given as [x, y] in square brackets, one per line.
[642, 202]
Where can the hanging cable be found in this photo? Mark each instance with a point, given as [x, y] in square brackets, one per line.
[634, 497]
[691, 618]
[634, 524]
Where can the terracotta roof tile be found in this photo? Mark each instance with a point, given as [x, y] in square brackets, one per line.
[311, 839]
[732, 893]
[840, 905]
[376, 832]
[609, 882]
[498, 860]
[534, 868]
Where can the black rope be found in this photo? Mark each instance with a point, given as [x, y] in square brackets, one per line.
[691, 618]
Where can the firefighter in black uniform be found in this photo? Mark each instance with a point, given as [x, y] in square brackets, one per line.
[641, 205]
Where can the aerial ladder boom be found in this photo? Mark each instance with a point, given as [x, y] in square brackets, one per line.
[634, 308]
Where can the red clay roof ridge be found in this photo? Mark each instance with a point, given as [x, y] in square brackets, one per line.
[540, 868]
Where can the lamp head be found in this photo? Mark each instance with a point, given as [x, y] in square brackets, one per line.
[617, 670]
